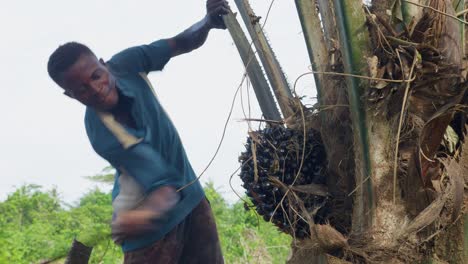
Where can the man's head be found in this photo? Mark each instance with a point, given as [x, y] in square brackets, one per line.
[76, 69]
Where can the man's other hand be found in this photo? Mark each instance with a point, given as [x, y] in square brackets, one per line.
[144, 217]
[215, 9]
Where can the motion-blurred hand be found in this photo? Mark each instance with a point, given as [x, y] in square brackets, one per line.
[144, 218]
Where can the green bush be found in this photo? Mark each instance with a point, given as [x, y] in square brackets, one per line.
[35, 226]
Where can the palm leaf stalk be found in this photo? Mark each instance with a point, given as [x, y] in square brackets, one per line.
[327, 16]
[253, 68]
[315, 41]
[354, 46]
[459, 6]
[267, 57]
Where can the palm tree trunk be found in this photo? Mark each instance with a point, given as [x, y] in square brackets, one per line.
[391, 80]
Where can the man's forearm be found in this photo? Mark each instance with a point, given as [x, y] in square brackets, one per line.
[192, 38]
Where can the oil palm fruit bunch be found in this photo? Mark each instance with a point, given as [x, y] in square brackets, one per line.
[276, 160]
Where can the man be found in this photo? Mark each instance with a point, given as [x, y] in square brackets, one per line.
[161, 214]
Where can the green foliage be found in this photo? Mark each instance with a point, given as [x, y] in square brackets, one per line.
[105, 176]
[35, 226]
[245, 236]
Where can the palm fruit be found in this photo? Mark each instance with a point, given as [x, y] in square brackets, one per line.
[275, 167]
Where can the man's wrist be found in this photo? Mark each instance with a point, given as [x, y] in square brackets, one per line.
[208, 22]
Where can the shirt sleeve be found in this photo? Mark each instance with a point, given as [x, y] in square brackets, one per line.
[132, 154]
[144, 58]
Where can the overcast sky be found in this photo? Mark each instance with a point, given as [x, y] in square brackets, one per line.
[42, 137]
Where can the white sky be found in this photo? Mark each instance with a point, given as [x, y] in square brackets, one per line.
[42, 137]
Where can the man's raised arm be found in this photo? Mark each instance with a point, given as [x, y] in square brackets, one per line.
[194, 37]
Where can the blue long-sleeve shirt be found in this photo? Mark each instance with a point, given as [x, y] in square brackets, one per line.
[150, 155]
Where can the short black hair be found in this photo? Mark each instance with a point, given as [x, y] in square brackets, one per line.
[64, 57]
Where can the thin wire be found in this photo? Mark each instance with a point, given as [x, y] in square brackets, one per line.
[400, 123]
[268, 13]
[264, 120]
[358, 76]
[232, 175]
[242, 104]
[461, 13]
[222, 137]
[246, 116]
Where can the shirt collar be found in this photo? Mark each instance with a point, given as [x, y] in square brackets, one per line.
[120, 85]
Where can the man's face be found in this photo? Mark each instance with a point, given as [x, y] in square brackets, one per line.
[89, 81]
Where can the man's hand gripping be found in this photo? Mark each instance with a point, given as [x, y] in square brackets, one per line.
[215, 9]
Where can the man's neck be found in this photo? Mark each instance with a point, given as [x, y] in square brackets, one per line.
[122, 111]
